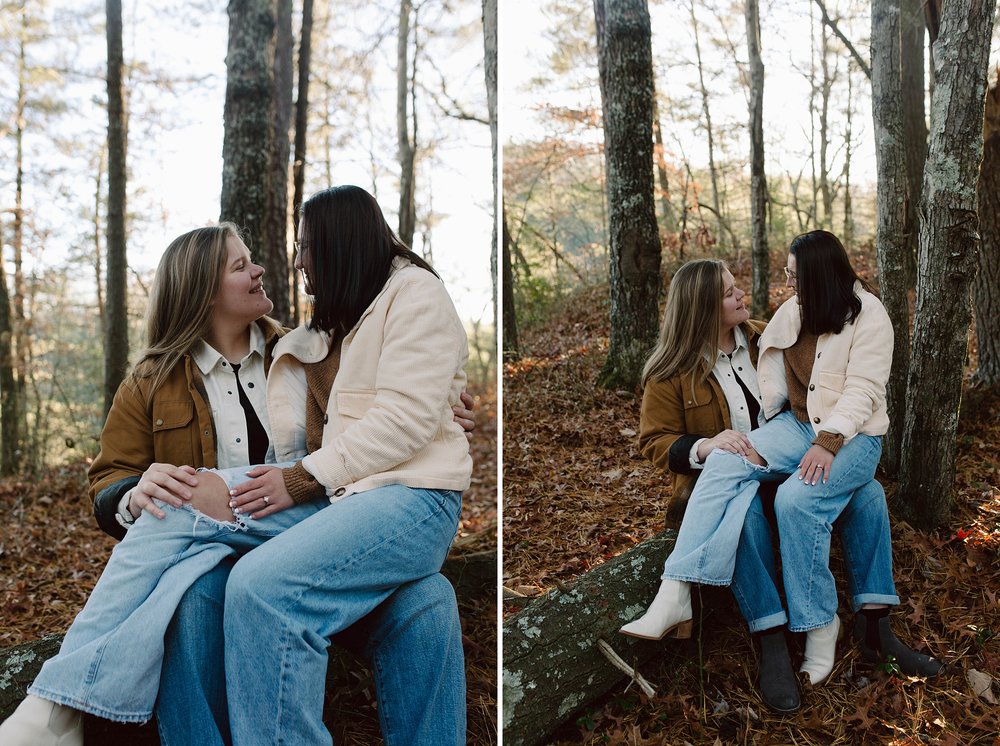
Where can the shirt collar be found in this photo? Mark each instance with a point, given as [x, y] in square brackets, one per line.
[207, 357]
[741, 342]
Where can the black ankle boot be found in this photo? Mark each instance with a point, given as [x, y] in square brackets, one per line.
[877, 642]
[778, 686]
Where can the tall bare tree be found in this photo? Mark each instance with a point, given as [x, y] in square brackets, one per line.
[758, 179]
[949, 243]
[987, 305]
[276, 219]
[709, 132]
[405, 137]
[912, 90]
[116, 326]
[625, 63]
[511, 342]
[250, 172]
[490, 70]
[891, 198]
[301, 129]
[10, 426]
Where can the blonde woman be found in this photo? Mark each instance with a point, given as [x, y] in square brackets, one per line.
[700, 394]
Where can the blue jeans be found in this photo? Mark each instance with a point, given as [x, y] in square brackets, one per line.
[286, 599]
[412, 643]
[705, 551]
[867, 546]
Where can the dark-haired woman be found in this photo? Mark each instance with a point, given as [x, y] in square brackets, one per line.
[375, 371]
[823, 364]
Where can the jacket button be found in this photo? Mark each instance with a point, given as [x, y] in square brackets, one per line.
[818, 354]
[326, 418]
[339, 491]
[812, 386]
[816, 420]
[159, 422]
[250, 385]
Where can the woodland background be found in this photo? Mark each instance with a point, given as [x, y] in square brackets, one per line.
[656, 132]
[124, 127]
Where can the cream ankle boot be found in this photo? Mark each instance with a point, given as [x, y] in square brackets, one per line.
[669, 612]
[39, 722]
[821, 650]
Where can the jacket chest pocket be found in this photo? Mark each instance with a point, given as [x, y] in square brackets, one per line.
[354, 403]
[701, 414]
[173, 431]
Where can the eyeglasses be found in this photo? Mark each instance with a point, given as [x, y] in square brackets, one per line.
[299, 246]
[790, 275]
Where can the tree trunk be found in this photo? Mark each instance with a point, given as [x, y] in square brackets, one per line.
[949, 244]
[116, 328]
[669, 218]
[98, 258]
[848, 236]
[987, 305]
[406, 142]
[301, 130]
[911, 65]
[626, 75]
[758, 180]
[490, 69]
[826, 86]
[511, 343]
[246, 147]
[706, 111]
[891, 195]
[276, 219]
[552, 665]
[10, 430]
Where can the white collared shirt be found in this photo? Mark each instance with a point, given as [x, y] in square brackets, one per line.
[726, 369]
[223, 397]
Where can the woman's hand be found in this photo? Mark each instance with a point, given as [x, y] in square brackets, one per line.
[166, 482]
[464, 415]
[262, 496]
[728, 440]
[815, 465]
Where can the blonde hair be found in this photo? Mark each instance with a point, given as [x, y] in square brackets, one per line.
[689, 334]
[180, 302]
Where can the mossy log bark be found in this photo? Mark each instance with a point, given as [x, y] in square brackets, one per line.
[551, 663]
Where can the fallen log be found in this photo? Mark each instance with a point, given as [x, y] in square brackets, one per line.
[552, 661]
[472, 573]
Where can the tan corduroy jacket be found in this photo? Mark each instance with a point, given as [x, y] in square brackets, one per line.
[389, 418]
[678, 412]
[173, 425]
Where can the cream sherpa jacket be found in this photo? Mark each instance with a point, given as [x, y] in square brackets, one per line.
[389, 418]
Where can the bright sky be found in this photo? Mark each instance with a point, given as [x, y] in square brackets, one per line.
[785, 43]
[176, 173]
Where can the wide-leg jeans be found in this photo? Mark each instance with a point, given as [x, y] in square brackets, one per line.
[866, 540]
[287, 598]
[110, 661]
[412, 643]
[705, 551]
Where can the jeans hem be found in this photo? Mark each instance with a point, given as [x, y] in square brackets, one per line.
[700, 581]
[767, 622]
[82, 706]
[873, 598]
[809, 627]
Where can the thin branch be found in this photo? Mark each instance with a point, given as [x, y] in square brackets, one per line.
[625, 668]
[865, 67]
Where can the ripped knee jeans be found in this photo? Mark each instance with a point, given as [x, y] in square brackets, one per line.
[109, 663]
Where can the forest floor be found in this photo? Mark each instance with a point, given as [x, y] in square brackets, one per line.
[577, 492]
[52, 553]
